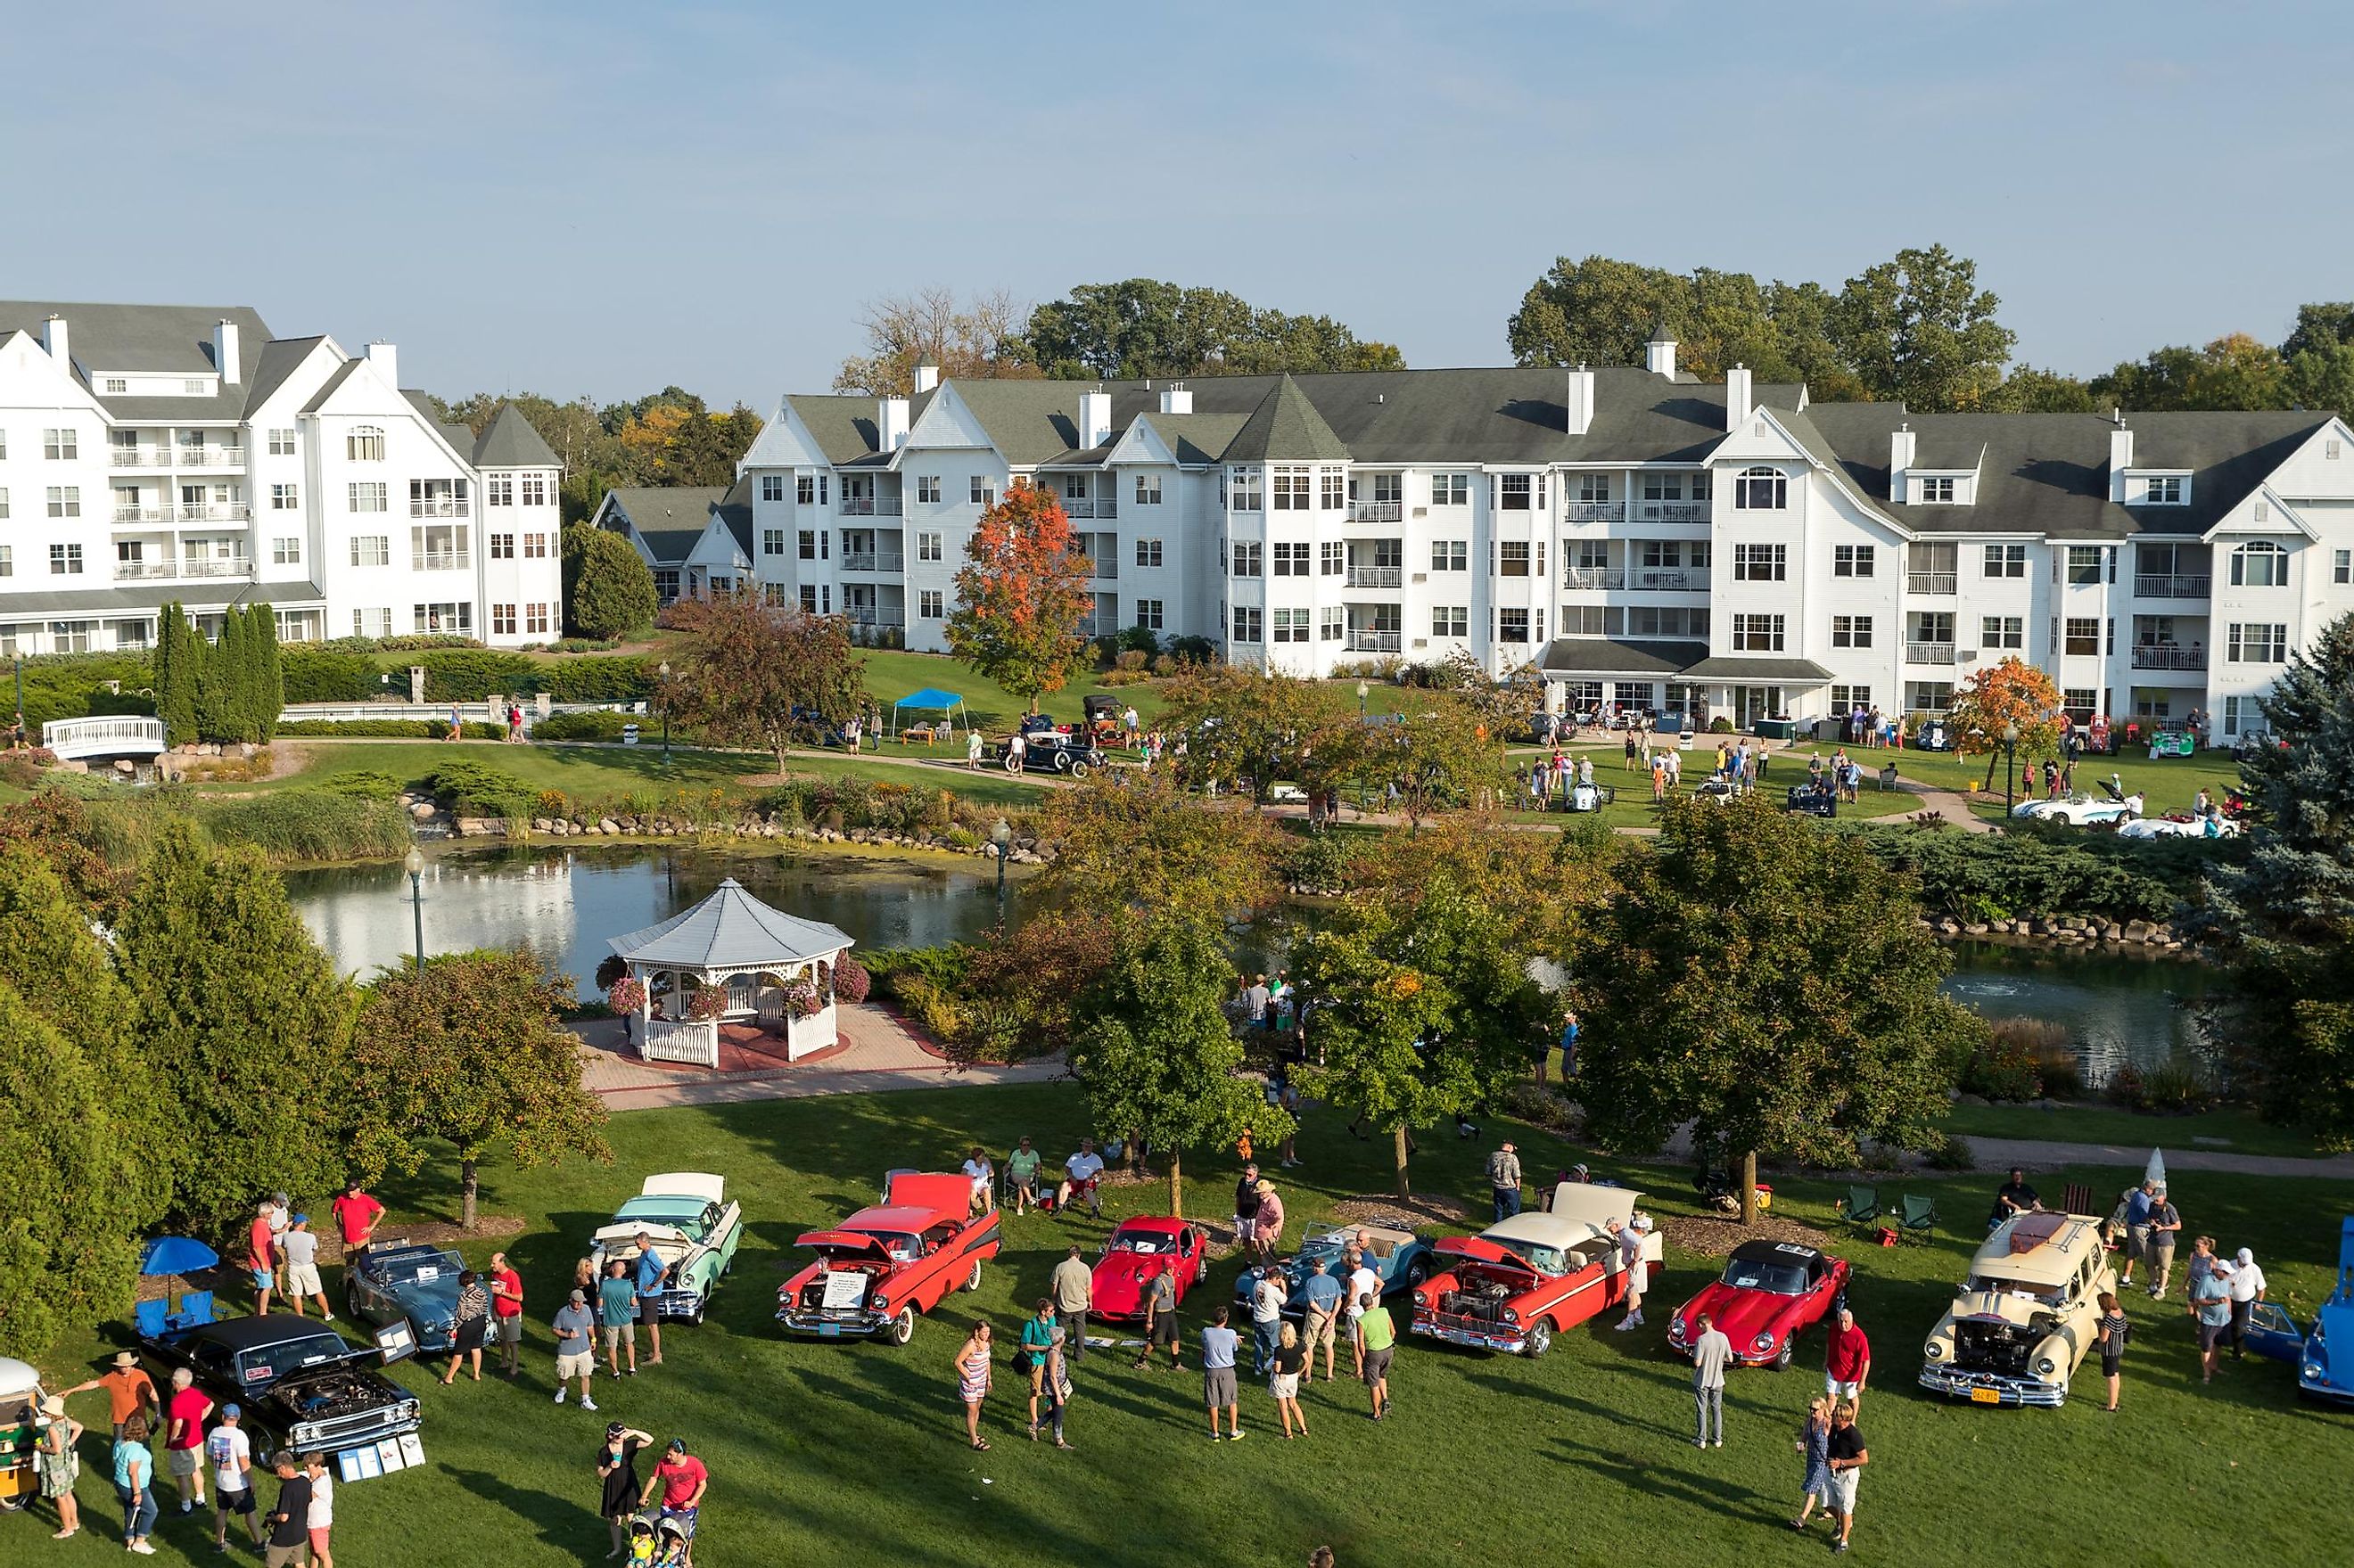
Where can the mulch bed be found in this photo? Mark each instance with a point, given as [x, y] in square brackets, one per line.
[1368, 1208]
[1715, 1236]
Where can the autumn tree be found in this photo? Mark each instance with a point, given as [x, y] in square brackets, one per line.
[966, 339]
[1023, 595]
[1769, 984]
[608, 591]
[751, 672]
[1157, 1059]
[1124, 845]
[1144, 327]
[1990, 700]
[469, 1052]
[1245, 729]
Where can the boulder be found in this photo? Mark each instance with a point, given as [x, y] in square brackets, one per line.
[2138, 930]
[421, 810]
[607, 825]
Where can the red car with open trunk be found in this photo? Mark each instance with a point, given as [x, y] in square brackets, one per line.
[883, 1266]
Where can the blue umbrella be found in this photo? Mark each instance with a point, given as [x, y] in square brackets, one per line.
[175, 1254]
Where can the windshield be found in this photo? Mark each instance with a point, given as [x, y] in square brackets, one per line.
[265, 1364]
[1996, 1285]
[1149, 1243]
[420, 1268]
[688, 1218]
[1760, 1274]
[1543, 1260]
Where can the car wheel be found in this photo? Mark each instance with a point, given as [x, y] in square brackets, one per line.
[1789, 1350]
[1417, 1272]
[1540, 1339]
[1078, 771]
[1061, 762]
[694, 1319]
[12, 1504]
[972, 1281]
[902, 1328]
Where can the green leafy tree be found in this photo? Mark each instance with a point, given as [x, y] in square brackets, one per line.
[245, 1023]
[179, 667]
[1247, 728]
[1157, 1059]
[267, 688]
[1601, 311]
[1770, 984]
[220, 682]
[749, 670]
[470, 1052]
[2027, 390]
[2234, 372]
[1143, 328]
[1127, 844]
[1023, 595]
[1918, 328]
[2281, 925]
[608, 591]
[1438, 754]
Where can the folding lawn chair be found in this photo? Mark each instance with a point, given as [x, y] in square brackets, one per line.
[1861, 1206]
[1917, 1217]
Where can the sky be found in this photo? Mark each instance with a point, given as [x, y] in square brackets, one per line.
[593, 198]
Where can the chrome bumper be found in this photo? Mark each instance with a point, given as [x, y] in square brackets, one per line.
[1959, 1384]
[1513, 1339]
[818, 1326]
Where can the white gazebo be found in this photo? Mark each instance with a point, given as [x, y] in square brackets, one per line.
[759, 955]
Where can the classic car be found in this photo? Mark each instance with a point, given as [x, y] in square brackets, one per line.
[1057, 750]
[2215, 825]
[415, 1280]
[2172, 742]
[1933, 736]
[1139, 1252]
[1399, 1257]
[301, 1384]
[1770, 1293]
[694, 1227]
[1591, 796]
[20, 1430]
[2080, 810]
[886, 1263]
[2320, 1373]
[2026, 1315]
[1520, 1282]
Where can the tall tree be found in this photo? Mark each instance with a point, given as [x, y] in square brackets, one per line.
[1144, 327]
[2281, 925]
[1249, 728]
[1991, 699]
[1022, 594]
[1918, 328]
[2236, 371]
[2027, 390]
[179, 664]
[470, 1053]
[1769, 984]
[608, 591]
[245, 1023]
[750, 673]
[269, 676]
[1157, 1059]
[968, 339]
[1125, 845]
[220, 682]
[1437, 754]
[1602, 311]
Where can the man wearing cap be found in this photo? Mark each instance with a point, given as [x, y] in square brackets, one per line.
[129, 1391]
[1320, 1293]
[683, 1480]
[184, 1437]
[1246, 1208]
[1504, 1180]
[506, 1310]
[576, 1348]
[230, 1452]
[301, 1245]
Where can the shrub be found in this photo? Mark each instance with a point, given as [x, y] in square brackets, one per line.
[2179, 1087]
[63, 685]
[1190, 650]
[470, 788]
[364, 730]
[584, 645]
[329, 673]
[1139, 640]
[1318, 861]
[2001, 1069]
[618, 680]
[1542, 1105]
[1720, 724]
[228, 769]
[22, 769]
[2026, 872]
[1132, 658]
[424, 639]
[365, 785]
[469, 674]
[1165, 664]
[1949, 1151]
[551, 803]
[596, 724]
[1122, 677]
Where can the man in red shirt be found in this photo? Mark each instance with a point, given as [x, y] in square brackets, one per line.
[1846, 1361]
[184, 1437]
[262, 1258]
[506, 1309]
[684, 1480]
[356, 1217]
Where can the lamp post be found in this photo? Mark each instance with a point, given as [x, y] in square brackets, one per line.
[1000, 839]
[1364, 691]
[663, 675]
[415, 866]
[2009, 764]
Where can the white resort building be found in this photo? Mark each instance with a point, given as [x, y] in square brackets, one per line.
[1643, 537]
[154, 453]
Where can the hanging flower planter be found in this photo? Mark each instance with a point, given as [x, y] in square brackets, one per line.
[707, 1003]
[626, 995]
[801, 998]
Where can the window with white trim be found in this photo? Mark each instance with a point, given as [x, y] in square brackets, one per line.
[1331, 558]
[2256, 643]
[285, 498]
[772, 487]
[65, 561]
[2238, 711]
[1148, 552]
[1291, 490]
[2004, 561]
[983, 491]
[1148, 490]
[1247, 622]
[282, 443]
[1854, 560]
[1760, 563]
[1847, 699]
[2002, 631]
[773, 541]
[372, 550]
[65, 499]
[930, 604]
[927, 547]
[1450, 620]
[286, 551]
[1937, 490]
[1290, 561]
[1247, 559]
[1928, 696]
[1850, 631]
[536, 619]
[2341, 566]
[1333, 625]
[2084, 565]
[363, 443]
[60, 445]
[374, 497]
[2261, 564]
[1450, 490]
[502, 546]
[1761, 490]
[1150, 614]
[2081, 635]
[498, 490]
[1512, 626]
[1450, 555]
[535, 546]
[1291, 625]
[927, 488]
[1757, 633]
[2165, 490]
[502, 620]
[1514, 492]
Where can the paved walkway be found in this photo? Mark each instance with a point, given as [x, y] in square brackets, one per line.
[881, 1054]
[1997, 1154]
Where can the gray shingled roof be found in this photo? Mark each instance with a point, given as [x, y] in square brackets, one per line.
[1286, 428]
[344, 373]
[1757, 667]
[670, 518]
[160, 340]
[511, 440]
[731, 929]
[279, 360]
[734, 509]
[1615, 656]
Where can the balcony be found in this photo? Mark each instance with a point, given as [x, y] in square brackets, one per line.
[1671, 511]
[2169, 656]
[209, 457]
[872, 561]
[146, 571]
[866, 615]
[216, 566]
[1591, 577]
[441, 560]
[1376, 512]
[1928, 652]
[1932, 582]
[143, 457]
[1376, 641]
[1104, 568]
[217, 512]
[1376, 576]
[1595, 511]
[1667, 579]
[1089, 506]
[439, 506]
[137, 516]
[2148, 584]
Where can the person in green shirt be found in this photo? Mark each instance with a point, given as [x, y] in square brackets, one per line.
[1037, 1339]
[1021, 1175]
[1377, 1339]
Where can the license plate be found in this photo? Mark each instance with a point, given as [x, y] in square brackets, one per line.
[1986, 1396]
[829, 1331]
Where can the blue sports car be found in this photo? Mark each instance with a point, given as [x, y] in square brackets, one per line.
[1399, 1256]
[397, 1279]
[2324, 1355]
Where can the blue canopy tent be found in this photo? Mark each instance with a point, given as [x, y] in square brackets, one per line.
[931, 699]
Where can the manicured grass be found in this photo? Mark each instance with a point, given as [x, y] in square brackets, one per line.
[854, 1453]
[2246, 1133]
[2167, 784]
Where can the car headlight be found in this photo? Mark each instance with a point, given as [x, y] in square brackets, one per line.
[2315, 1370]
[2045, 1366]
[1762, 1342]
[1511, 1316]
[882, 1303]
[1933, 1351]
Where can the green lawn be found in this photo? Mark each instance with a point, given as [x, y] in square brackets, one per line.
[2169, 783]
[852, 1453]
[2244, 1132]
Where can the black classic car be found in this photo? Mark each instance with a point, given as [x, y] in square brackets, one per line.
[300, 1384]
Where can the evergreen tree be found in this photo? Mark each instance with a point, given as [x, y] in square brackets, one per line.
[245, 1024]
[608, 591]
[270, 679]
[178, 662]
[219, 679]
[2282, 924]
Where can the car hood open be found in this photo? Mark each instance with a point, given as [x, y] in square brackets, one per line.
[1480, 1249]
[855, 1245]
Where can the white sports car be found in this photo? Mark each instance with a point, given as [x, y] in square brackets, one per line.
[2217, 827]
[2080, 810]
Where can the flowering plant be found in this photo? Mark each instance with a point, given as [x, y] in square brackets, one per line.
[706, 1002]
[627, 994]
[802, 997]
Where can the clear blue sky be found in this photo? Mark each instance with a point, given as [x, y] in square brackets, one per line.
[594, 198]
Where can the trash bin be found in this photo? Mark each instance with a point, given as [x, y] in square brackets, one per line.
[1776, 728]
[628, 735]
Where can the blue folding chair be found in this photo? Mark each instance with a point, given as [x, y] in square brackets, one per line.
[196, 1306]
[150, 1317]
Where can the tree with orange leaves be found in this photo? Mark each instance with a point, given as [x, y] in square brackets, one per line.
[1022, 594]
[2013, 691]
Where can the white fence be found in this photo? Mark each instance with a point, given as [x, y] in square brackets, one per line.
[121, 735]
[680, 1040]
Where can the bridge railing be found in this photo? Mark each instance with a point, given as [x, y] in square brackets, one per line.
[112, 735]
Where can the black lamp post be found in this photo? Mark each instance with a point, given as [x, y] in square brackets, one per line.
[1364, 691]
[1001, 840]
[415, 866]
[663, 675]
[2010, 764]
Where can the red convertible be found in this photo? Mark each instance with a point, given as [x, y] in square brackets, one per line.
[1518, 1283]
[1138, 1253]
[884, 1265]
[1769, 1292]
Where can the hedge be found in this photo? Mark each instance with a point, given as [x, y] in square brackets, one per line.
[316, 674]
[595, 680]
[597, 724]
[2028, 872]
[369, 730]
[66, 686]
[469, 674]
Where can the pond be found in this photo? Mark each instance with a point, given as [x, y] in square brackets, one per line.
[2120, 1009]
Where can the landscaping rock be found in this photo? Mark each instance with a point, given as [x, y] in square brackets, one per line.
[607, 825]
[421, 810]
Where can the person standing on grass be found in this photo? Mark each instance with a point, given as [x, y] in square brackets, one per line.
[2139, 1205]
[184, 1437]
[1712, 1353]
[972, 1371]
[1848, 1458]
[617, 1298]
[1847, 1360]
[1218, 1346]
[356, 1215]
[683, 1478]
[1291, 1363]
[651, 1273]
[2165, 1225]
[2211, 1304]
[230, 1452]
[1267, 1225]
[1074, 1287]
[1630, 1262]
[134, 1483]
[2110, 1336]
[129, 1392]
[2248, 1287]
[1016, 749]
[1037, 1333]
[1246, 1209]
[467, 1325]
[1815, 1445]
[1321, 1295]
[1377, 1339]
[1058, 1384]
[1504, 1180]
[617, 1472]
[1267, 1299]
[289, 1522]
[506, 1312]
[322, 1519]
[301, 1245]
[1161, 1319]
[576, 1348]
[59, 1463]
[1361, 1283]
[262, 1258]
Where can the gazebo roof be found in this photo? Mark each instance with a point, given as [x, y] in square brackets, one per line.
[731, 929]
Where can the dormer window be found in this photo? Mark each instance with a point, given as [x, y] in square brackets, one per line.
[1761, 490]
[2165, 490]
[1938, 491]
[2258, 565]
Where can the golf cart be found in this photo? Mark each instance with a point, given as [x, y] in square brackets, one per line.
[20, 1429]
[1934, 737]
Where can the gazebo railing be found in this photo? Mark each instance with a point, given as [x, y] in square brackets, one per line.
[682, 1040]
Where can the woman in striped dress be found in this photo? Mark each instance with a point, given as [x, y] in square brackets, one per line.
[972, 1381]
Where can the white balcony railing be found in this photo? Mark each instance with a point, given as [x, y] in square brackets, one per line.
[1589, 577]
[1928, 652]
[441, 560]
[1597, 511]
[132, 516]
[855, 507]
[872, 561]
[2161, 585]
[134, 571]
[1376, 641]
[209, 457]
[1932, 582]
[439, 506]
[1671, 511]
[217, 512]
[143, 457]
[218, 566]
[1667, 579]
[1376, 576]
[2169, 656]
[1376, 512]
[1089, 506]
[866, 615]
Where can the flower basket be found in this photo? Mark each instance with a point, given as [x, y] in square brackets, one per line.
[706, 1002]
[802, 999]
[627, 994]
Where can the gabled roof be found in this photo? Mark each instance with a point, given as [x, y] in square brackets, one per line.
[152, 340]
[280, 359]
[334, 384]
[511, 440]
[669, 519]
[1286, 428]
[731, 929]
[733, 508]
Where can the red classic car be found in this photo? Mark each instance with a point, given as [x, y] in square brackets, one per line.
[1770, 1292]
[884, 1265]
[1517, 1283]
[1139, 1252]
